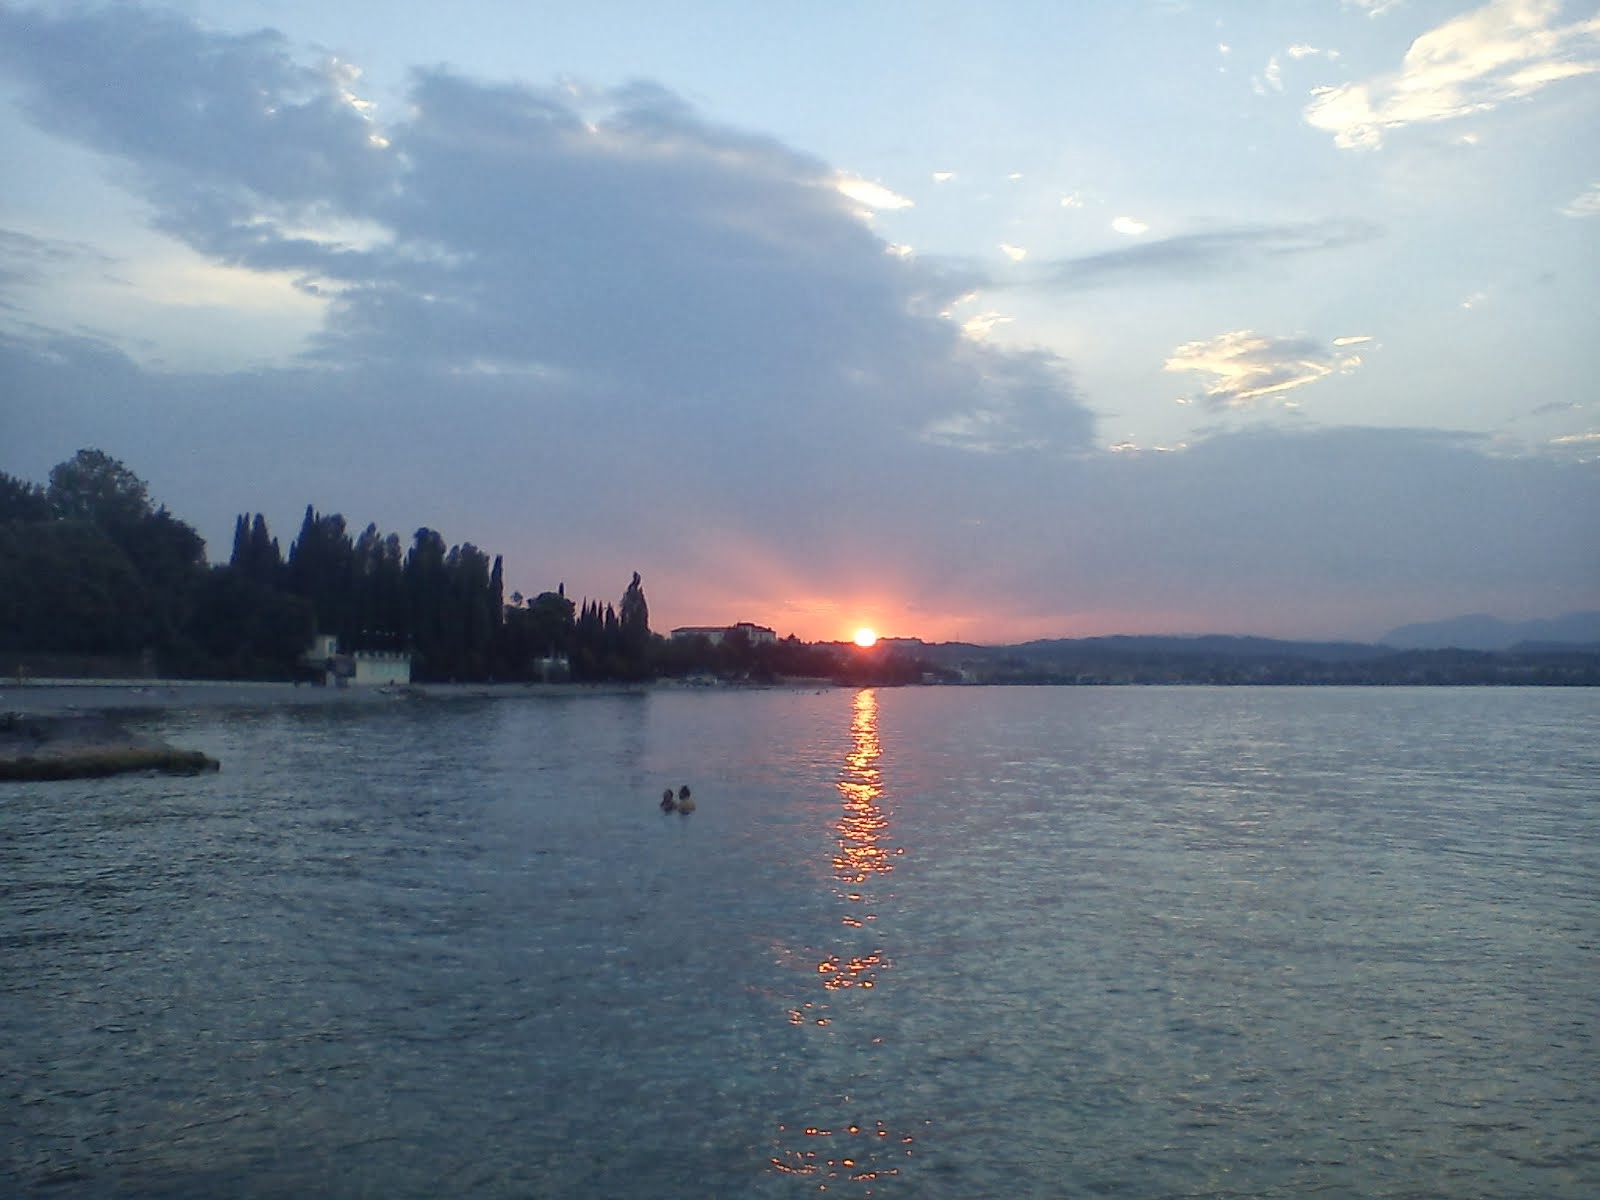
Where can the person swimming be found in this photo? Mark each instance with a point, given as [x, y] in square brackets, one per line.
[668, 804]
[685, 801]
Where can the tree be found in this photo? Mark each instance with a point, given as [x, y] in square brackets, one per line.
[240, 557]
[377, 587]
[92, 486]
[21, 500]
[473, 610]
[66, 586]
[426, 581]
[246, 629]
[319, 570]
[552, 618]
[497, 592]
[91, 565]
[170, 559]
[157, 561]
[255, 551]
[635, 621]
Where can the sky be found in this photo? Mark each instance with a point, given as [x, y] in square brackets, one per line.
[963, 322]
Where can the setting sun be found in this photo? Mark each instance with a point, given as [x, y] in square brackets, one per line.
[866, 637]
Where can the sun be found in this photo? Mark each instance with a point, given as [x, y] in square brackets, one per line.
[866, 637]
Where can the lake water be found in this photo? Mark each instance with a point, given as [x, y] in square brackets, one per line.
[918, 942]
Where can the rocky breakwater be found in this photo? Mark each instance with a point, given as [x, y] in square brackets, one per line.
[85, 746]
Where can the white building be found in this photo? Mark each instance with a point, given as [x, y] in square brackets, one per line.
[381, 667]
[361, 668]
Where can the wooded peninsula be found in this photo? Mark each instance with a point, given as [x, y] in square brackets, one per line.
[96, 579]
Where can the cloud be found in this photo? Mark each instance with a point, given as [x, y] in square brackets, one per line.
[1506, 50]
[978, 325]
[873, 195]
[596, 332]
[1014, 253]
[1582, 447]
[1270, 79]
[1297, 515]
[209, 118]
[1024, 405]
[1131, 226]
[1295, 532]
[519, 280]
[1374, 8]
[608, 244]
[1244, 367]
[1585, 205]
[27, 259]
[1204, 254]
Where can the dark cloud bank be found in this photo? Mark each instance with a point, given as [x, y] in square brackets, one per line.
[599, 334]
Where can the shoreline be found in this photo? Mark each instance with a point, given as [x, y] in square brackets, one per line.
[54, 729]
[66, 697]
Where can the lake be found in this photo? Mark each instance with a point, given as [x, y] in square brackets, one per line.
[932, 942]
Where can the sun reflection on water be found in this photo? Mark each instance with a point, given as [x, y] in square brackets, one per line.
[853, 1150]
[862, 851]
[857, 1155]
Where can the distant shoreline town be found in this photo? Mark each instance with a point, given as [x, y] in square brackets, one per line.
[97, 582]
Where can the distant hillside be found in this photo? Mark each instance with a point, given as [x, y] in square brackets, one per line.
[1126, 647]
[1220, 660]
[1483, 632]
[1210, 644]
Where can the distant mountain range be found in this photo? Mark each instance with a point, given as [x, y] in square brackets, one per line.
[1482, 632]
[1477, 632]
[1563, 651]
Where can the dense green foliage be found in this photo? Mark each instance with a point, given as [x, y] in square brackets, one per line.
[90, 568]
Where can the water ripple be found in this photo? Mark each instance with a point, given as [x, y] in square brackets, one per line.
[929, 942]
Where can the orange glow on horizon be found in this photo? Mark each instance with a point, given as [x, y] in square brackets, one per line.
[745, 579]
[819, 618]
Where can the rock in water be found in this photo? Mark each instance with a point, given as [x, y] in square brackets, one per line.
[86, 746]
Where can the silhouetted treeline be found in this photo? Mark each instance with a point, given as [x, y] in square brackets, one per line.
[90, 568]
[97, 579]
[736, 659]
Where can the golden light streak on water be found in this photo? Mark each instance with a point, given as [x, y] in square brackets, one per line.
[863, 854]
